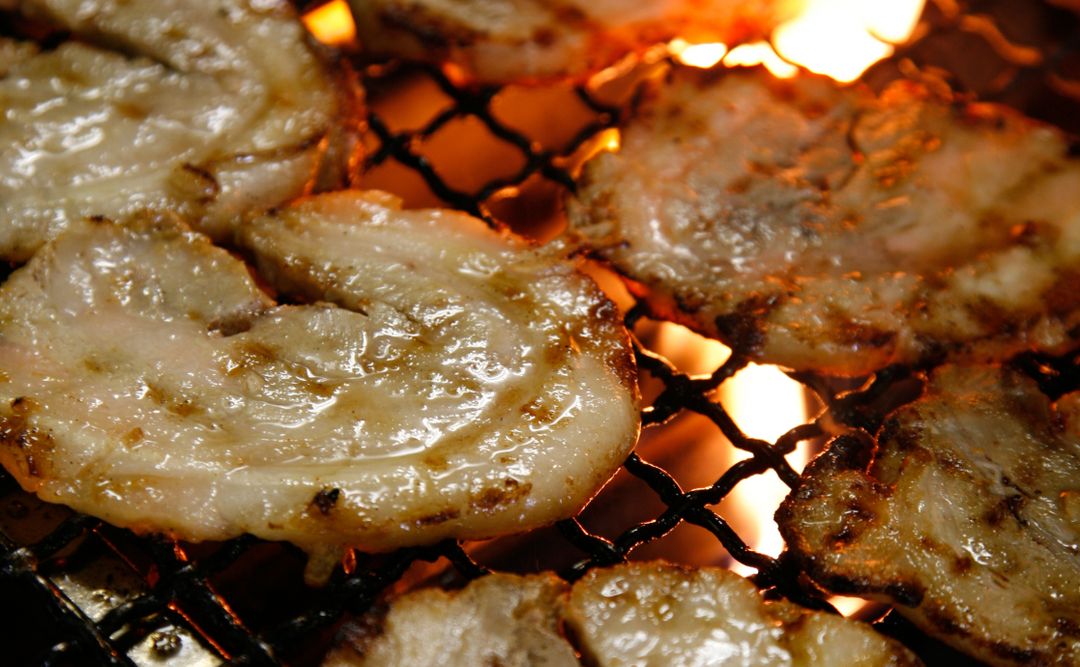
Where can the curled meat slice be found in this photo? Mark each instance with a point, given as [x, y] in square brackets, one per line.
[641, 614]
[824, 228]
[512, 40]
[967, 517]
[209, 108]
[446, 381]
[657, 614]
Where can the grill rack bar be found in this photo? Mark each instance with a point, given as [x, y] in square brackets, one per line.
[477, 103]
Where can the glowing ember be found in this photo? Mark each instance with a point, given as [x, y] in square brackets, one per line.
[331, 23]
[840, 38]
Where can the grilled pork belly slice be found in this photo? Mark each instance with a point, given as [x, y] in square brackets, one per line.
[663, 615]
[642, 614]
[525, 40]
[967, 517]
[823, 228]
[500, 619]
[447, 381]
[210, 108]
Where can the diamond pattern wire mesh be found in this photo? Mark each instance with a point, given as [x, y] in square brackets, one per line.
[88, 593]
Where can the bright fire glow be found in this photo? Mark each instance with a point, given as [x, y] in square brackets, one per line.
[609, 139]
[840, 38]
[331, 23]
[697, 55]
[765, 404]
[847, 606]
[691, 353]
[606, 140]
[747, 55]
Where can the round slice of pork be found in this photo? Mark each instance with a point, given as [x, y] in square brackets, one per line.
[209, 108]
[661, 615]
[528, 40]
[445, 380]
[966, 517]
[826, 228]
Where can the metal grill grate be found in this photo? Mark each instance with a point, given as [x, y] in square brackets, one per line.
[78, 591]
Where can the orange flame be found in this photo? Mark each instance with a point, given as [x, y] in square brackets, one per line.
[747, 55]
[839, 38]
[697, 55]
[765, 404]
[331, 23]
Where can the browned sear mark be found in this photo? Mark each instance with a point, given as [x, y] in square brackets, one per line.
[33, 446]
[438, 517]
[326, 499]
[493, 498]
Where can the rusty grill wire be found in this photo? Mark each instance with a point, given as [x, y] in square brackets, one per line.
[148, 600]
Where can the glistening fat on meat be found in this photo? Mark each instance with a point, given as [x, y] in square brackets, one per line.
[446, 380]
[637, 614]
[966, 516]
[830, 229]
[208, 109]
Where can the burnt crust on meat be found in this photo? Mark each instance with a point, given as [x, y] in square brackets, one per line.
[830, 229]
[965, 516]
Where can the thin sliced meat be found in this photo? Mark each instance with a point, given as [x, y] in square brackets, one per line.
[208, 108]
[824, 228]
[967, 517]
[446, 381]
[528, 40]
[639, 614]
[500, 619]
[660, 615]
